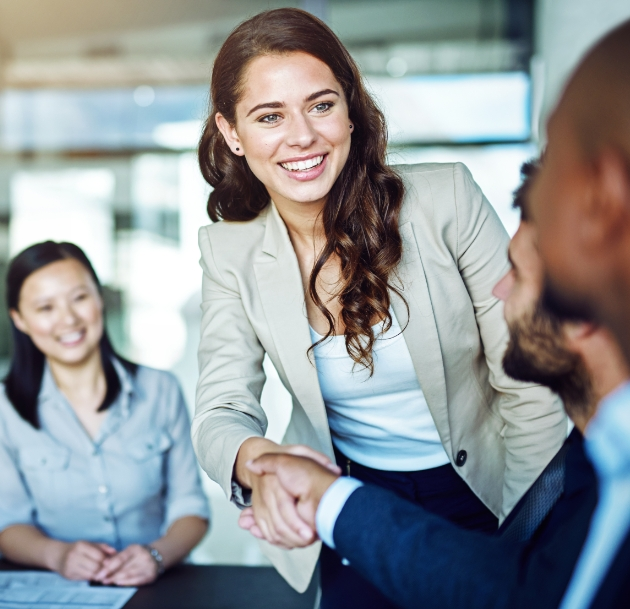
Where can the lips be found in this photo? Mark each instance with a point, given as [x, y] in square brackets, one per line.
[305, 170]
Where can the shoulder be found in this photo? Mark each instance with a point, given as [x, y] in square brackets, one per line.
[227, 245]
[155, 382]
[435, 190]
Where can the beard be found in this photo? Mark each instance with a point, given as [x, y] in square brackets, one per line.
[536, 353]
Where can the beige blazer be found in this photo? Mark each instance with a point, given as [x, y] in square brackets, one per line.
[454, 251]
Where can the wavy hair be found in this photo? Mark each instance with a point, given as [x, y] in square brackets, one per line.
[360, 216]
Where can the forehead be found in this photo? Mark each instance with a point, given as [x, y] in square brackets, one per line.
[276, 77]
[57, 276]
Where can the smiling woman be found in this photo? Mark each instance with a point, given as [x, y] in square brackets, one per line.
[95, 453]
[369, 289]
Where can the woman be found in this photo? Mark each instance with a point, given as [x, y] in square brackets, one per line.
[399, 376]
[99, 480]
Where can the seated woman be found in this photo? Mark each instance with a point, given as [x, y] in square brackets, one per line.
[99, 480]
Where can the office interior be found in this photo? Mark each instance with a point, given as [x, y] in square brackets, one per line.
[101, 105]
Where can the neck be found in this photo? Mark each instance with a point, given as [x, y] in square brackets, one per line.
[83, 382]
[607, 369]
[303, 220]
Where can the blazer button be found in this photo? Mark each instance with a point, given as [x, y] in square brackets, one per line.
[462, 455]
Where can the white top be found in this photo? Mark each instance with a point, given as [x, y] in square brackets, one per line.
[381, 421]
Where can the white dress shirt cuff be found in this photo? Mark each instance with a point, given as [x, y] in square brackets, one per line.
[331, 505]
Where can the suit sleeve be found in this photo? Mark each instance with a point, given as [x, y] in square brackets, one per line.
[419, 560]
[535, 423]
[231, 377]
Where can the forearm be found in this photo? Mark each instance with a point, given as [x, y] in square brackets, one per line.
[182, 536]
[26, 545]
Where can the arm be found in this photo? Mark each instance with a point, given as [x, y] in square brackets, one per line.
[412, 556]
[229, 424]
[26, 545]
[535, 423]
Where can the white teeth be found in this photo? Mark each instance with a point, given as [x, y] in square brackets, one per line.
[71, 338]
[303, 165]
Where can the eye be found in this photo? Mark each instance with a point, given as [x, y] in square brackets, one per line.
[322, 107]
[80, 297]
[270, 119]
[44, 308]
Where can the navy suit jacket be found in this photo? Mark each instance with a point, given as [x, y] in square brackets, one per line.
[420, 560]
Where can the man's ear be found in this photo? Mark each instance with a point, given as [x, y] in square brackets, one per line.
[17, 320]
[611, 195]
[576, 332]
[229, 133]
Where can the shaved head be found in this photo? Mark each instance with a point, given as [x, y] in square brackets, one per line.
[579, 201]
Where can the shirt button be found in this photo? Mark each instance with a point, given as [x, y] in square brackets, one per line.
[462, 455]
[102, 489]
[345, 562]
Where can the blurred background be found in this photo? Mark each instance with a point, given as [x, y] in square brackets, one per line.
[100, 111]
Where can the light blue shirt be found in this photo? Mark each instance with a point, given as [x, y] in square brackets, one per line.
[607, 443]
[128, 485]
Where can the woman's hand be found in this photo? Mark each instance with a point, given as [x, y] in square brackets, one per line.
[134, 566]
[274, 515]
[82, 560]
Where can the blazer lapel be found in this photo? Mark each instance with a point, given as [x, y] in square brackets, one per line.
[420, 332]
[282, 295]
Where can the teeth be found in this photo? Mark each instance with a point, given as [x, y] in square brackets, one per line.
[71, 338]
[303, 165]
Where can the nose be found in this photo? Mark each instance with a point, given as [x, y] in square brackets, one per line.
[69, 316]
[301, 132]
[503, 288]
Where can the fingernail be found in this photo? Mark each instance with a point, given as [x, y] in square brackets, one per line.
[305, 533]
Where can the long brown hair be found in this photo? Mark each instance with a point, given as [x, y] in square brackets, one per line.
[360, 217]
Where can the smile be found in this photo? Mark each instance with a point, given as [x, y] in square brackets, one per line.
[72, 338]
[303, 165]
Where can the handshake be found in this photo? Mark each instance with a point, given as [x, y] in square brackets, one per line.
[287, 488]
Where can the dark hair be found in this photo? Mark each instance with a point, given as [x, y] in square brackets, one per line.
[360, 218]
[24, 379]
[528, 170]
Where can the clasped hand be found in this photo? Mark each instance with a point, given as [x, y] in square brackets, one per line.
[286, 490]
[133, 566]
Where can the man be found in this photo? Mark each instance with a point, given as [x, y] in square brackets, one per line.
[418, 559]
[581, 209]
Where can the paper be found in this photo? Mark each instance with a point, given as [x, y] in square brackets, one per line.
[42, 590]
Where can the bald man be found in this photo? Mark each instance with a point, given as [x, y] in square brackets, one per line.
[581, 209]
[419, 560]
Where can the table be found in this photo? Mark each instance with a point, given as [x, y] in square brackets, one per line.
[218, 587]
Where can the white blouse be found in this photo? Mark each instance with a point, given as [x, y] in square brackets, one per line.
[382, 421]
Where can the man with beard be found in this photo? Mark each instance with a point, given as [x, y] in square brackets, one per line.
[581, 209]
[420, 560]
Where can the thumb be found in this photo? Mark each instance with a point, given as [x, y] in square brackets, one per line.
[265, 464]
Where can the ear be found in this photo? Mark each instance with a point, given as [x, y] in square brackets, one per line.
[18, 321]
[229, 134]
[611, 195]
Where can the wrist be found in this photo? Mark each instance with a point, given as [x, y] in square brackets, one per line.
[54, 553]
[157, 557]
[251, 449]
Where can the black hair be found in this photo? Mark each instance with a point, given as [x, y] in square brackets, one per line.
[24, 379]
[528, 170]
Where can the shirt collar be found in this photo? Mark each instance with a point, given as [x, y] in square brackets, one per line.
[607, 440]
[50, 391]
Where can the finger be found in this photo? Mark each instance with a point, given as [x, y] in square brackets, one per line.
[246, 521]
[293, 520]
[256, 532]
[112, 565]
[91, 551]
[282, 533]
[306, 451]
[107, 549]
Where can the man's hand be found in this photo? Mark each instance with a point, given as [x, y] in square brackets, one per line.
[304, 480]
[134, 566]
[82, 560]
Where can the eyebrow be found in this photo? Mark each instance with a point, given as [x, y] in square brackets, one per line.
[275, 105]
[509, 255]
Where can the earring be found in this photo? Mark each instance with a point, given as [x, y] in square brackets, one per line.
[238, 148]
[350, 126]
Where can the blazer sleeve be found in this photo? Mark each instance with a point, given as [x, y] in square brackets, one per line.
[535, 422]
[231, 376]
[420, 560]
